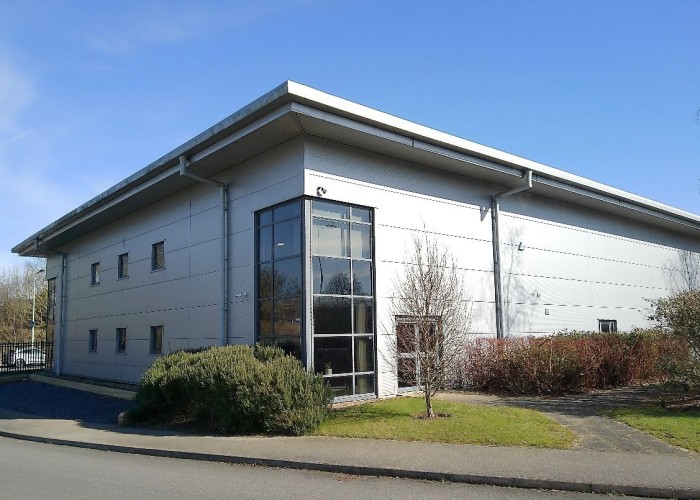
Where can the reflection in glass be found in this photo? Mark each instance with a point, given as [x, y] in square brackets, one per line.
[265, 318]
[287, 277]
[330, 238]
[331, 276]
[361, 277]
[287, 211]
[287, 313]
[287, 238]
[330, 210]
[361, 242]
[265, 281]
[332, 315]
[360, 215]
[333, 355]
[265, 244]
[363, 315]
[364, 354]
[265, 218]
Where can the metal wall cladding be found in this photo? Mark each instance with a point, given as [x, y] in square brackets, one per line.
[185, 295]
[579, 264]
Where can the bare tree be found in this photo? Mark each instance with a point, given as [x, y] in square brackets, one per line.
[431, 313]
[16, 292]
[684, 271]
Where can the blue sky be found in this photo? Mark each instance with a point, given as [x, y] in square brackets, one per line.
[91, 91]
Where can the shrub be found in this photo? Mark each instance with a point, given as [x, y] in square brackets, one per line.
[234, 390]
[680, 314]
[566, 362]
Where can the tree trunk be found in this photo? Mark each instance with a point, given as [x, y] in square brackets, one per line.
[429, 405]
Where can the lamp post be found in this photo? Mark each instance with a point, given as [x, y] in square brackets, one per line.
[34, 303]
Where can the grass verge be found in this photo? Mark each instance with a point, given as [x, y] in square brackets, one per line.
[467, 424]
[678, 427]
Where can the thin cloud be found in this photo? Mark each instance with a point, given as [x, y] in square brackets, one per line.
[17, 91]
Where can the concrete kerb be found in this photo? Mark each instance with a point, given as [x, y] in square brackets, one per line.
[513, 482]
[96, 389]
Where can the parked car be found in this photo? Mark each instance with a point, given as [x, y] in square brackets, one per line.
[26, 356]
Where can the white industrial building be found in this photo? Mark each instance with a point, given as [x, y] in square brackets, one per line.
[287, 223]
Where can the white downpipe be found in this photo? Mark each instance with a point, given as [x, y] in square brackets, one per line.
[497, 278]
[223, 191]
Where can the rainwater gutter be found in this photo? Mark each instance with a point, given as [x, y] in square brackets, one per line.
[223, 190]
[497, 278]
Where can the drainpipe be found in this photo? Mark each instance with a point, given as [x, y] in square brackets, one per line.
[495, 208]
[223, 190]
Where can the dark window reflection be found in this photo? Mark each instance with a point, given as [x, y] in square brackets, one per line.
[265, 218]
[332, 315]
[287, 277]
[290, 345]
[287, 238]
[364, 384]
[333, 355]
[362, 277]
[287, 314]
[265, 281]
[287, 211]
[265, 244]
[265, 318]
[331, 276]
[341, 386]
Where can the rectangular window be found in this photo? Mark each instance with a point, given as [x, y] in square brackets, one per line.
[92, 341]
[343, 297]
[121, 340]
[158, 256]
[95, 274]
[157, 339]
[279, 277]
[607, 325]
[123, 266]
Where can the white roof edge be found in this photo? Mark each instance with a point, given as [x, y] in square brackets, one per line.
[291, 89]
[451, 141]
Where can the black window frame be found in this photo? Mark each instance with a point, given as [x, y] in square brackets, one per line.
[607, 326]
[123, 266]
[156, 342]
[95, 273]
[92, 340]
[121, 344]
[155, 265]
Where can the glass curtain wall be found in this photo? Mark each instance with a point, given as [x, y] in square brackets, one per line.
[341, 330]
[343, 297]
[279, 278]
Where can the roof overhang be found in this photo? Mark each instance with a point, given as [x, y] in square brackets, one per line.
[292, 110]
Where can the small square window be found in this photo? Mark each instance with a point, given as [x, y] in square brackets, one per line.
[158, 256]
[123, 266]
[95, 274]
[157, 339]
[121, 339]
[607, 325]
[93, 341]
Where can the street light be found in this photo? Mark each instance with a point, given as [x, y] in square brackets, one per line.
[34, 302]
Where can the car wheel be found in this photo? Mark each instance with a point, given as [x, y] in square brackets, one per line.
[20, 363]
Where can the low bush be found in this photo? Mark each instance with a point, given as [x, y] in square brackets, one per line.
[566, 362]
[234, 390]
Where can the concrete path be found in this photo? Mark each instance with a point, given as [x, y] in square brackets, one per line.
[644, 471]
[639, 474]
[584, 415]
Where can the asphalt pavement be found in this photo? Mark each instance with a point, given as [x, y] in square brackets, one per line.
[629, 473]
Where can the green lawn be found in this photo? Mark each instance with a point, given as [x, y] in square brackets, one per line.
[467, 424]
[680, 428]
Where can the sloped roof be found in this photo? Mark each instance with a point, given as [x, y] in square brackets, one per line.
[292, 110]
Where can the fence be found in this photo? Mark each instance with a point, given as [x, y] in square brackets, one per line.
[20, 357]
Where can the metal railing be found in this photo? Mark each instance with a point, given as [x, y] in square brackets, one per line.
[21, 357]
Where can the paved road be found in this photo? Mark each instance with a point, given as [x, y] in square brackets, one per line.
[40, 471]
